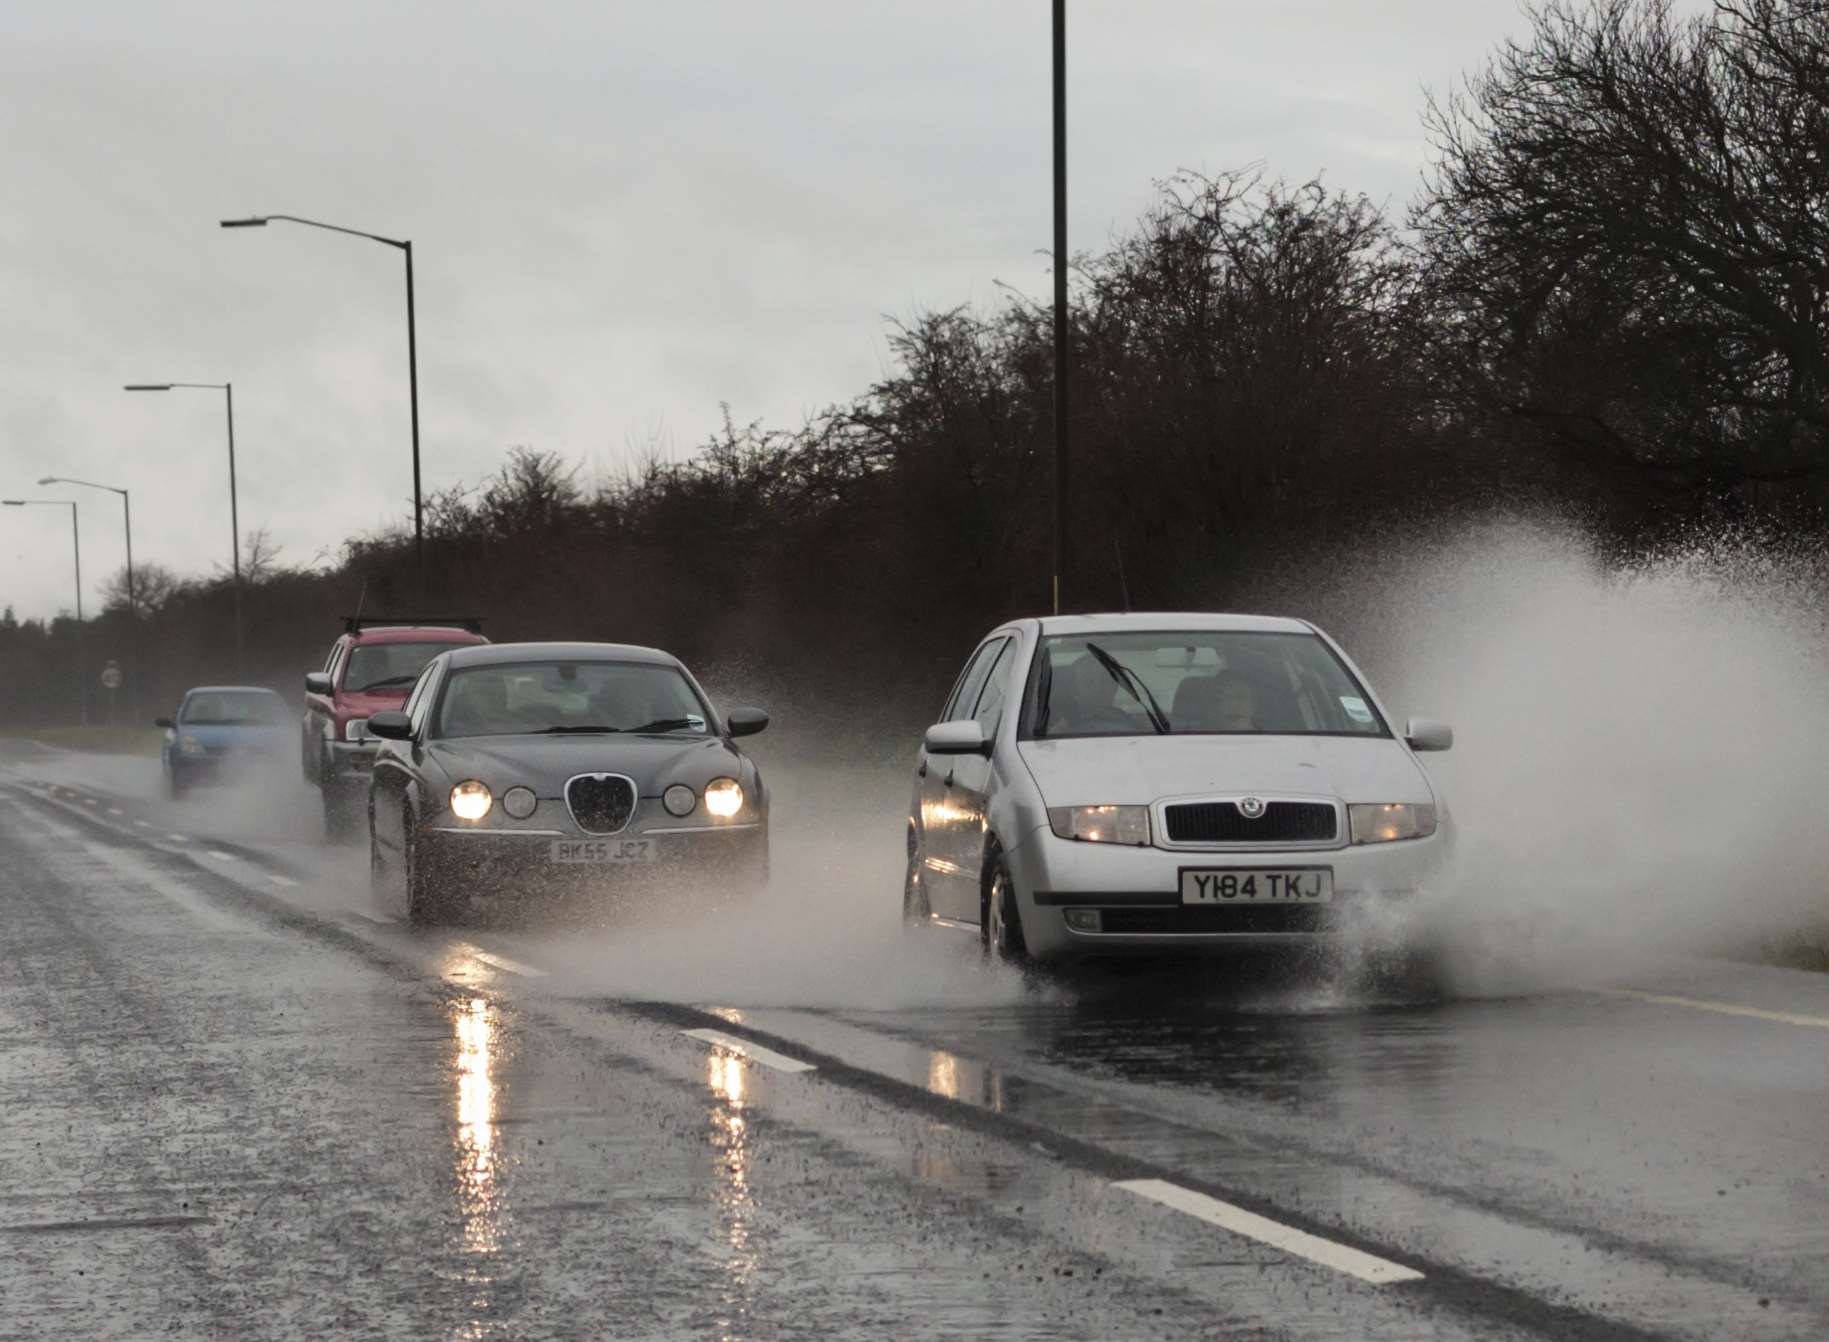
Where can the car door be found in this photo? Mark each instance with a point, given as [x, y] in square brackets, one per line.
[931, 789]
[964, 783]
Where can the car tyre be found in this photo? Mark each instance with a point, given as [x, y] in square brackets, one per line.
[1000, 919]
[424, 905]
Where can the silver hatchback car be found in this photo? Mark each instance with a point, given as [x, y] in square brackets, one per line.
[1101, 784]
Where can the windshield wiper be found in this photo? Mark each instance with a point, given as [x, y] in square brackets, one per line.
[580, 729]
[386, 681]
[1129, 681]
[667, 725]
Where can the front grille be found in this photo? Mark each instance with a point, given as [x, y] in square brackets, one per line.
[600, 803]
[1208, 918]
[1223, 822]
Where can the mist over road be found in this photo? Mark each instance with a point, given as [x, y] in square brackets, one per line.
[243, 1100]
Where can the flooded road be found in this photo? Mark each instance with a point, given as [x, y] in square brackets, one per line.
[243, 1099]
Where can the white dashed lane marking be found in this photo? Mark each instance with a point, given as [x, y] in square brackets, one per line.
[177, 838]
[142, 824]
[1340, 1257]
[1722, 1008]
[754, 1052]
[115, 810]
[284, 882]
[221, 856]
[502, 962]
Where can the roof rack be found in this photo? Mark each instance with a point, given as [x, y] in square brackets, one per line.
[355, 624]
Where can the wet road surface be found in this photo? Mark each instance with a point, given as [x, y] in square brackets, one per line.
[243, 1099]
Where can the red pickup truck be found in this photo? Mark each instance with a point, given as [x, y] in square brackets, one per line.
[370, 668]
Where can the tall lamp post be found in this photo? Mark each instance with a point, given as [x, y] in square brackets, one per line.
[228, 391]
[133, 611]
[412, 361]
[82, 686]
[1060, 295]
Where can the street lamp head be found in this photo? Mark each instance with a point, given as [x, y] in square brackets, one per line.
[244, 223]
[13, 503]
[52, 480]
[147, 386]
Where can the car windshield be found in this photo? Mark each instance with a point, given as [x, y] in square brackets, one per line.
[1195, 682]
[387, 666]
[561, 697]
[233, 708]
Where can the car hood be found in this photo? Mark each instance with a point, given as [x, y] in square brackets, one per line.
[544, 763]
[1141, 769]
[366, 703]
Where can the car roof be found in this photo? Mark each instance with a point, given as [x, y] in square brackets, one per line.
[1149, 620]
[495, 654]
[414, 633]
[233, 689]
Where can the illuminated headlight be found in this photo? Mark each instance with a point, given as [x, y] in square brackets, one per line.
[723, 797]
[1101, 824]
[471, 800]
[517, 801]
[189, 745]
[1379, 822]
[681, 800]
[356, 730]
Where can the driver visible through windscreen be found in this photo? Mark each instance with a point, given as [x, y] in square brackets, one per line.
[1195, 682]
[559, 697]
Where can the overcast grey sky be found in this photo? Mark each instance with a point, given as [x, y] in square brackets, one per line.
[622, 214]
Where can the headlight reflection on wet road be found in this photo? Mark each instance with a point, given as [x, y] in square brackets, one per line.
[475, 1168]
[727, 1075]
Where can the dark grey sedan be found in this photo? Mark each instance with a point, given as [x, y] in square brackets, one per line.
[593, 766]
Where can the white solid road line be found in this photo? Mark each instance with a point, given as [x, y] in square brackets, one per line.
[503, 963]
[1721, 1008]
[754, 1052]
[1341, 1258]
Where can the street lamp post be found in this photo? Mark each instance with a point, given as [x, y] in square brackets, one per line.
[228, 391]
[412, 362]
[82, 687]
[1060, 295]
[133, 611]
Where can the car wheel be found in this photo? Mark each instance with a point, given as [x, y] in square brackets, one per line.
[424, 906]
[1000, 920]
[916, 911]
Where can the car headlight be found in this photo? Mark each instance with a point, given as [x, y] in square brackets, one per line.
[356, 730]
[723, 797]
[1101, 824]
[682, 800]
[1380, 822]
[189, 745]
[471, 800]
[519, 802]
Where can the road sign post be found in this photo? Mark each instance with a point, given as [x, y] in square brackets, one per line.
[111, 681]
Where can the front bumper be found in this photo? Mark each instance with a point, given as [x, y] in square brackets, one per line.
[350, 762]
[224, 767]
[493, 862]
[1136, 893]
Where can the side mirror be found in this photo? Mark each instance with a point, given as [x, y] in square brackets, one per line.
[391, 724]
[166, 723]
[317, 682]
[745, 721]
[957, 738]
[1428, 734]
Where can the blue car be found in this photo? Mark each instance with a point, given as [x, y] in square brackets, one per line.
[223, 733]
